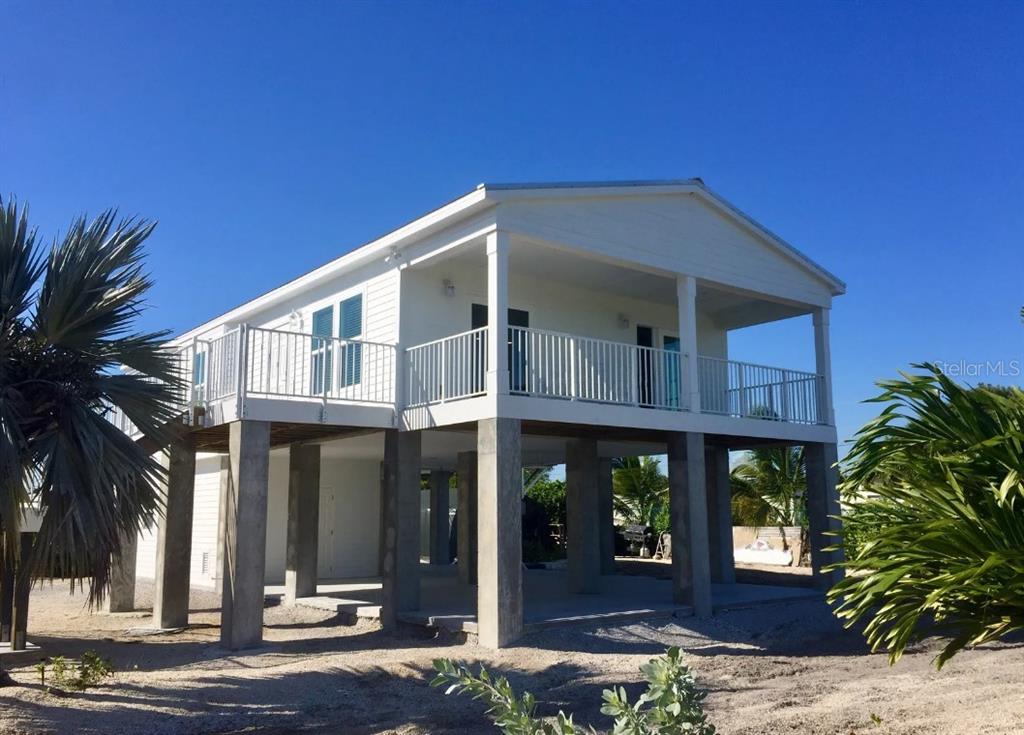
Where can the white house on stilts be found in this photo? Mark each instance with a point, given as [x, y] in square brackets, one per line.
[518, 325]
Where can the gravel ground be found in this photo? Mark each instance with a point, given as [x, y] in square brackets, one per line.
[785, 668]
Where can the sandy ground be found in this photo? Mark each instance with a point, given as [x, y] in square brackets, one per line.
[783, 668]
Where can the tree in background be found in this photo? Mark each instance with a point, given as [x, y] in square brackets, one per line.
[641, 492]
[66, 329]
[935, 498]
[769, 488]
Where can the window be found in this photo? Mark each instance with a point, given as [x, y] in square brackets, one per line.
[198, 375]
[321, 351]
[352, 328]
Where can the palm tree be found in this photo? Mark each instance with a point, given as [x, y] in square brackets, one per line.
[769, 488]
[69, 353]
[640, 489]
[934, 493]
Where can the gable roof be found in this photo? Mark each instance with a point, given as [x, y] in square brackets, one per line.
[490, 194]
[669, 186]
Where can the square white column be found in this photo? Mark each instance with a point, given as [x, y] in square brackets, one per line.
[686, 300]
[497, 313]
[823, 365]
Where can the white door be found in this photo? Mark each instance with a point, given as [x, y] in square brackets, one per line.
[325, 545]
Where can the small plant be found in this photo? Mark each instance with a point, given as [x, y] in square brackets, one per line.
[66, 675]
[671, 704]
[61, 671]
[92, 669]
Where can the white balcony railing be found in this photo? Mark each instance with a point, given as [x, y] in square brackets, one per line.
[549, 364]
[746, 390]
[274, 363]
[558, 365]
[447, 369]
[286, 364]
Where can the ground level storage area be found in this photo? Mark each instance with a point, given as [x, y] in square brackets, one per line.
[256, 503]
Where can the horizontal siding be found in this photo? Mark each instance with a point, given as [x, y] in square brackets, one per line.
[204, 521]
[678, 232]
[380, 319]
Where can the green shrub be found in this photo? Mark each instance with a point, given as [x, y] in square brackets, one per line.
[934, 526]
[67, 675]
[549, 495]
[670, 706]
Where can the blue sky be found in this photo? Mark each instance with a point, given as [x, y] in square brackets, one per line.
[885, 140]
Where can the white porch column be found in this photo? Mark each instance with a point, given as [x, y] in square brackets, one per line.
[497, 313]
[686, 300]
[823, 365]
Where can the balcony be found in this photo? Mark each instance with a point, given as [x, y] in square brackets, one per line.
[555, 365]
[299, 368]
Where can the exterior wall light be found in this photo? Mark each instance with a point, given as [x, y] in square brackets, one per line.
[449, 288]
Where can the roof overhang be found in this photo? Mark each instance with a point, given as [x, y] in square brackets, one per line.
[489, 195]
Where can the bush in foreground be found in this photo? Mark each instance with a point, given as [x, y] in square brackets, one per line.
[935, 502]
[670, 706]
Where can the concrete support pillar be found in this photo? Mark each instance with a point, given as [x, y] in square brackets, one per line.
[245, 535]
[224, 487]
[121, 596]
[686, 301]
[303, 522]
[583, 517]
[716, 464]
[691, 569]
[467, 516]
[499, 532]
[823, 511]
[22, 587]
[606, 515]
[497, 313]
[440, 521]
[400, 591]
[174, 539]
[7, 571]
[823, 365]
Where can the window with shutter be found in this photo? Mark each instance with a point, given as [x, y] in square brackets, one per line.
[321, 350]
[352, 328]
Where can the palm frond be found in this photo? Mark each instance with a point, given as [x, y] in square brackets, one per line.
[69, 354]
[936, 505]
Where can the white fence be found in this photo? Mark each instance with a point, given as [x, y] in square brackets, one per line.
[746, 390]
[447, 369]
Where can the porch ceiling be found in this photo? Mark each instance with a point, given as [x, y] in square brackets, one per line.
[730, 309]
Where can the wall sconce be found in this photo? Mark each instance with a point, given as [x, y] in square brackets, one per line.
[623, 321]
[449, 288]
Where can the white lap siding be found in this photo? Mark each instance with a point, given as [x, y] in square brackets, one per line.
[204, 528]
